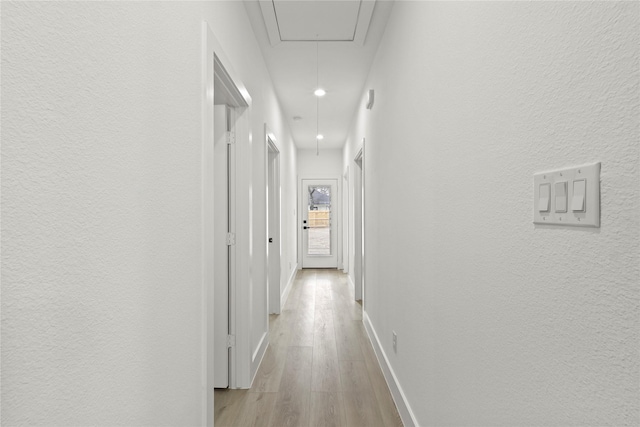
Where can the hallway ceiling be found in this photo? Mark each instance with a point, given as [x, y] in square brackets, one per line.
[343, 35]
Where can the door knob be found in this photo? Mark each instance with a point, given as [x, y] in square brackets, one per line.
[305, 227]
[270, 239]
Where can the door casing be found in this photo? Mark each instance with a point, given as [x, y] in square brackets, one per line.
[219, 79]
[274, 236]
[336, 219]
[358, 224]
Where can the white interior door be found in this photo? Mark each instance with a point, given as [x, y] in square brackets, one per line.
[221, 249]
[320, 215]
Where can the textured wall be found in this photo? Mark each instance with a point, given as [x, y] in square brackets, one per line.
[101, 246]
[100, 216]
[327, 164]
[500, 322]
[289, 214]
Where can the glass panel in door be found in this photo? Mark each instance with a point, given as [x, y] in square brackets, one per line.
[319, 220]
[319, 203]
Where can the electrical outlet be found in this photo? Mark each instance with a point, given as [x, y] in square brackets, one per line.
[395, 341]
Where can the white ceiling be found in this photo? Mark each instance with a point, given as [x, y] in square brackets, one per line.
[287, 32]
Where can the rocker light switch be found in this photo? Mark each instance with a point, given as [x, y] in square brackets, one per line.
[561, 196]
[579, 190]
[544, 198]
[567, 197]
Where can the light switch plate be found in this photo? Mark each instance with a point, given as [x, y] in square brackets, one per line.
[591, 215]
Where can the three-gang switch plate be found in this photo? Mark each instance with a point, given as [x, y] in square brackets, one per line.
[568, 196]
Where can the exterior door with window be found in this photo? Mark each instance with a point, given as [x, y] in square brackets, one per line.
[319, 223]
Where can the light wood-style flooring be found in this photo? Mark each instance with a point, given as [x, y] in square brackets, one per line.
[319, 369]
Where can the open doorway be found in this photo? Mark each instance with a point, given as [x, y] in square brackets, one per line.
[226, 234]
[229, 243]
[225, 104]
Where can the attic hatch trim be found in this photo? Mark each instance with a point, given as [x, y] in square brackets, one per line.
[365, 12]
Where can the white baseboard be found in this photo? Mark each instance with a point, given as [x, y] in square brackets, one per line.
[287, 289]
[256, 359]
[352, 286]
[408, 418]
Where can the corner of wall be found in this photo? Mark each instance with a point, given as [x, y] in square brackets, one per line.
[287, 289]
[408, 418]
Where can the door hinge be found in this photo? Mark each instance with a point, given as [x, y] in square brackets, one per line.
[231, 239]
[231, 341]
[231, 138]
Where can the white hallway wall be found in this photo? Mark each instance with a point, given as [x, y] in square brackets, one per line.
[288, 205]
[288, 170]
[328, 163]
[101, 206]
[500, 322]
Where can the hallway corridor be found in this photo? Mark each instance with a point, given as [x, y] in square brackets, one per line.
[319, 369]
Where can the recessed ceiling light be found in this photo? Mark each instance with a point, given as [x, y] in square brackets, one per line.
[320, 92]
[320, 137]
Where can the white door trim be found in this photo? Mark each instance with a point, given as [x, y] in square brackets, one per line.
[213, 60]
[337, 214]
[221, 248]
[345, 221]
[274, 227]
[358, 225]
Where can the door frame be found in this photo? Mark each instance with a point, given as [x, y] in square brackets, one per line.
[274, 227]
[345, 221]
[338, 213]
[222, 216]
[213, 61]
[359, 225]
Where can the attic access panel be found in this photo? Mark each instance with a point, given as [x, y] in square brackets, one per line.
[317, 20]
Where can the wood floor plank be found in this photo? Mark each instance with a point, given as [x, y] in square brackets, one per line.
[347, 341]
[280, 333]
[355, 376]
[291, 409]
[302, 329]
[228, 406]
[303, 302]
[296, 375]
[324, 291]
[323, 327]
[325, 371]
[324, 304]
[361, 409]
[388, 410]
[270, 371]
[386, 405]
[257, 410]
[319, 368]
[327, 410]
